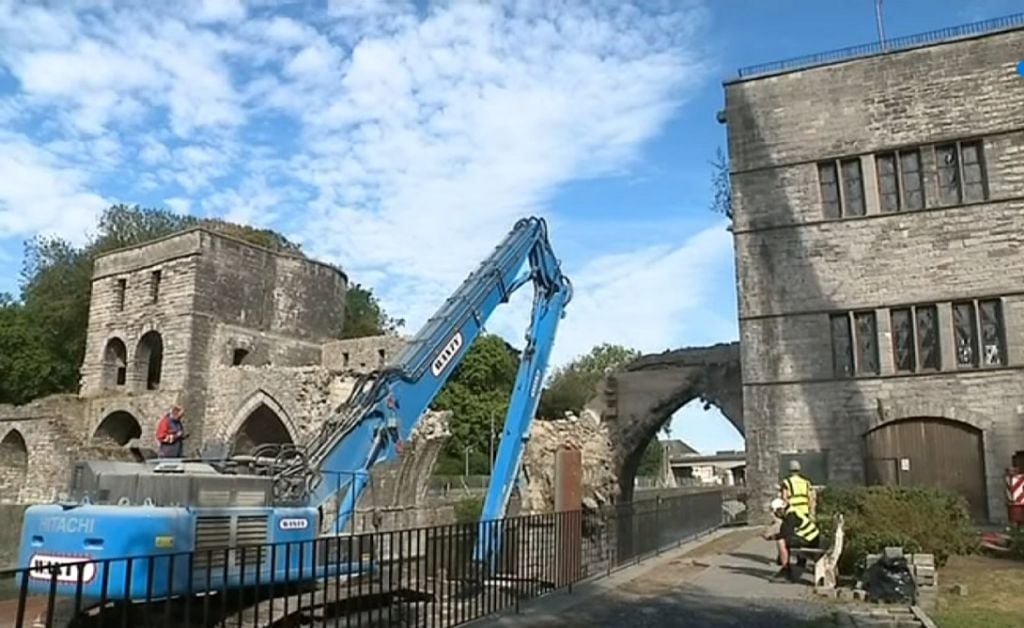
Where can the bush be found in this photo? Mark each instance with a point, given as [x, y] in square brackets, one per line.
[467, 509]
[920, 520]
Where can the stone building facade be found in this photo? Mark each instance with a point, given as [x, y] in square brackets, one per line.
[878, 209]
[240, 336]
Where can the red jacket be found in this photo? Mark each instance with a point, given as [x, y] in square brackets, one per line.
[168, 427]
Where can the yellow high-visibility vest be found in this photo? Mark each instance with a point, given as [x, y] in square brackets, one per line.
[807, 530]
[799, 498]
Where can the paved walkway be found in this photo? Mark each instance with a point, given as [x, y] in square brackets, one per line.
[718, 582]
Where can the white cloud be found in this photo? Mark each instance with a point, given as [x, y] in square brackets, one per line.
[39, 194]
[401, 143]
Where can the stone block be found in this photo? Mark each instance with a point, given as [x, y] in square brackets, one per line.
[959, 589]
[892, 553]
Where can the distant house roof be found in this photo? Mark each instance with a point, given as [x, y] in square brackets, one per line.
[676, 447]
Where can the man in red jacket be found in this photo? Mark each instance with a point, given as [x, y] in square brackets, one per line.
[170, 433]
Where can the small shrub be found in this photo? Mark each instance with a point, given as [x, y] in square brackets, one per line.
[920, 520]
[1016, 541]
[468, 509]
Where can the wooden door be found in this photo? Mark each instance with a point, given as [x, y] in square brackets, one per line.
[929, 453]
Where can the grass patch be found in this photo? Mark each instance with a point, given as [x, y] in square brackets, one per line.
[993, 593]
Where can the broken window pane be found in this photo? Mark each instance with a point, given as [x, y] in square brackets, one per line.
[853, 188]
[829, 189]
[974, 176]
[927, 337]
[842, 347]
[949, 174]
[888, 188]
[966, 334]
[867, 343]
[903, 340]
[992, 349]
[912, 180]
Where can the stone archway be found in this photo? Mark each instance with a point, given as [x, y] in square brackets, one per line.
[118, 428]
[115, 363]
[261, 420]
[13, 466]
[637, 400]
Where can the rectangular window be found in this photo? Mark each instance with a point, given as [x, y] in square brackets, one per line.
[949, 174]
[888, 183]
[866, 332]
[974, 172]
[842, 188]
[154, 286]
[979, 332]
[965, 334]
[829, 189]
[993, 334]
[961, 170]
[903, 340]
[853, 188]
[928, 337]
[842, 346]
[854, 344]
[915, 339]
[122, 288]
[900, 182]
[912, 179]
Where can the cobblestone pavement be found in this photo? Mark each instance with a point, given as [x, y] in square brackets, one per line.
[724, 584]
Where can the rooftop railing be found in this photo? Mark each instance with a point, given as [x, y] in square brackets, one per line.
[889, 45]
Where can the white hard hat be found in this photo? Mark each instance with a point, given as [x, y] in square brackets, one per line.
[778, 503]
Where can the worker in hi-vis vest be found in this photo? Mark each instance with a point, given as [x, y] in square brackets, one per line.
[797, 491]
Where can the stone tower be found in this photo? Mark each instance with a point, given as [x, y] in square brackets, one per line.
[165, 313]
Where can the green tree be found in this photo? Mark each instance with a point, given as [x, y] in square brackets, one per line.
[572, 386]
[364, 315]
[650, 463]
[477, 392]
[721, 185]
[42, 336]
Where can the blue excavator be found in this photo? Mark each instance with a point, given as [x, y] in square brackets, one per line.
[184, 519]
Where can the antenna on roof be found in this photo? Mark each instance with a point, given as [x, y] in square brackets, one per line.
[879, 21]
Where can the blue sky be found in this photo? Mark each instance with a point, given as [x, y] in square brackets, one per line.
[403, 140]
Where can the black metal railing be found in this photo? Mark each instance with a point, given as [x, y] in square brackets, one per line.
[415, 577]
[889, 45]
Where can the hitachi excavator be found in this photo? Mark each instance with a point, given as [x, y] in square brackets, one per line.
[187, 513]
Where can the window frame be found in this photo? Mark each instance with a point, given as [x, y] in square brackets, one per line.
[978, 362]
[842, 205]
[897, 155]
[917, 367]
[857, 369]
[958, 151]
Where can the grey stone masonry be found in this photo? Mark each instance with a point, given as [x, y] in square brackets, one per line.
[796, 264]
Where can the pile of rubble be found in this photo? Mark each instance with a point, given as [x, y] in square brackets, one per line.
[585, 433]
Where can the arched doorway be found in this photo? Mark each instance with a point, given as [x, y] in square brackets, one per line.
[262, 426]
[118, 428]
[149, 359]
[929, 452]
[115, 363]
[13, 466]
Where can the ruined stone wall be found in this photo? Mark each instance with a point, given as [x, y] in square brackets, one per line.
[795, 266]
[41, 436]
[361, 354]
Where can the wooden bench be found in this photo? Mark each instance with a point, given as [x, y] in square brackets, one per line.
[826, 561]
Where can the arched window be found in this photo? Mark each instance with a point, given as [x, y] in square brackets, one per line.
[118, 427]
[13, 466]
[115, 363]
[149, 358]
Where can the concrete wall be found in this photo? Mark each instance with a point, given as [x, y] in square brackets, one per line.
[795, 266]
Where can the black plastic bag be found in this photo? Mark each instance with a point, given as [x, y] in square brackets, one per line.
[889, 580]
